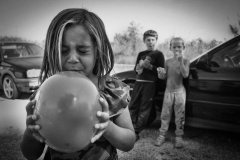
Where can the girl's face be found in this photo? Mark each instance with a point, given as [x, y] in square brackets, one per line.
[150, 42]
[78, 51]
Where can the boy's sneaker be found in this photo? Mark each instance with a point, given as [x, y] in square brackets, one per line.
[179, 143]
[137, 137]
[160, 140]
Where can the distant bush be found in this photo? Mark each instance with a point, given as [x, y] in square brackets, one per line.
[11, 39]
[192, 50]
[127, 45]
[19, 39]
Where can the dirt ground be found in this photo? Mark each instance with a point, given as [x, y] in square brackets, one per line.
[199, 144]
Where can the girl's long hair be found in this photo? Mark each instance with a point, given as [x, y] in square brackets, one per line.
[93, 24]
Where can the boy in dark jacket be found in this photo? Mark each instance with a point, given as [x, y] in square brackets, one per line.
[146, 81]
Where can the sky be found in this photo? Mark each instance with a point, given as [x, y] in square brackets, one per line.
[189, 19]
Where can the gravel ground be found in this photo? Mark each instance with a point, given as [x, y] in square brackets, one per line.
[199, 144]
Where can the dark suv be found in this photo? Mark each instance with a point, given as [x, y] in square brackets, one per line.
[213, 88]
[20, 64]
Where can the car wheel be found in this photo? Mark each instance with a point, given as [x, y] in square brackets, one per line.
[9, 88]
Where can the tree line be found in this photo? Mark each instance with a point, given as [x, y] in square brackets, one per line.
[128, 44]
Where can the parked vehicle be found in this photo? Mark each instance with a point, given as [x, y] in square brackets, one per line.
[20, 64]
[213, 88]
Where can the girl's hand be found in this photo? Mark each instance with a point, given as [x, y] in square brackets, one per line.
[104, 120]
[32, 128]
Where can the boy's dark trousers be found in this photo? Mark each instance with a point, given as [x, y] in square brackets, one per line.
[142, 100]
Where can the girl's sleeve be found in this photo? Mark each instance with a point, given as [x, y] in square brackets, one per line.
[117, 95]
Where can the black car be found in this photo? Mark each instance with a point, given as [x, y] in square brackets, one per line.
[20, 64]
[213, 88]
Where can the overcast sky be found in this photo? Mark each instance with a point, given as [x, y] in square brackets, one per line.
[190, 19]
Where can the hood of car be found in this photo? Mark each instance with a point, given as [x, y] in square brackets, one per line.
[26, 63]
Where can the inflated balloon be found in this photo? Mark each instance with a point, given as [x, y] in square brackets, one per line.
[67, 104]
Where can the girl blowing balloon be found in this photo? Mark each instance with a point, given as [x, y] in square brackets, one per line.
[77, 41]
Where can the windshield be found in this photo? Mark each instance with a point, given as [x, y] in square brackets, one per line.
[21, 50]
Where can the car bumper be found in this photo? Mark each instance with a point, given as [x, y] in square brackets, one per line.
[27, 85]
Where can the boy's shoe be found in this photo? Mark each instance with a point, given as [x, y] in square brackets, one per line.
[137, 137]
[179, 143]
[160, 140]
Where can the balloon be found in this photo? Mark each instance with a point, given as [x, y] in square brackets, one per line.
[67, 104]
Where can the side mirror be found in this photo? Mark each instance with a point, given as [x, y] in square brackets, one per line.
[201, 65]
[204, 66]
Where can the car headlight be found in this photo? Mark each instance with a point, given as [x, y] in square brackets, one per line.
[32, 73]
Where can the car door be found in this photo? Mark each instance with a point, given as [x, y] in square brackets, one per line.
[215, 85]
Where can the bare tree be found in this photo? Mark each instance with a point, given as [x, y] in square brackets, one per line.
[235, 28]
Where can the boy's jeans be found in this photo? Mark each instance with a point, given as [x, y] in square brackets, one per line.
[141, 104]
[173, 100]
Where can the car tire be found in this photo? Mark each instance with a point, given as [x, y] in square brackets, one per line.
[10, 88]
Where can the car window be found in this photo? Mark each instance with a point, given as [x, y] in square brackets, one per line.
[10, 51]
[34, 50]
[228, 57]
[21, 50]
[203, 59]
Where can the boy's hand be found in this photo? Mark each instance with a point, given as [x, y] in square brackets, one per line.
[179, 56]
[139, 69]
[161, 72]
[141, 63]
[32, 128]
[104, 120]
[146, 64]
